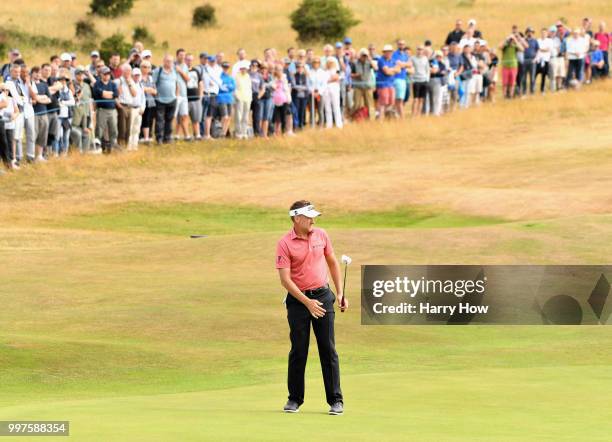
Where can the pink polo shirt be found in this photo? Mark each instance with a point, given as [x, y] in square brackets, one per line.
[305, 258]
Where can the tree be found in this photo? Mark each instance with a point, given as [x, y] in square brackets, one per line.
[114, 44]
[110, 8]
[317, 20]
[203, 16]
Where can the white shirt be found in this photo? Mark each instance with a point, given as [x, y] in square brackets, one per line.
[575, 48]
[212, 78]
[320, 78]
[467, 42]
[544, 43]
[65, 104]
[125, 96]
[140, 99]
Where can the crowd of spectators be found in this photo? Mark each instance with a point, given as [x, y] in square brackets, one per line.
[116, 104]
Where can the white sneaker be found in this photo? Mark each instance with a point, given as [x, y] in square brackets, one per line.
[14, 165]
[41, 159]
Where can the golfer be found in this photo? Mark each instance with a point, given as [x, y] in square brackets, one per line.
[302, 258]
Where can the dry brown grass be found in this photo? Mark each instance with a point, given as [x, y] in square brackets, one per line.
[256, 25]
[543, 157]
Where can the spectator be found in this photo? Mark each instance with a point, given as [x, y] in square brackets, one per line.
[148, 85]
[26, 94]
[127, 92]
[604, 39]
[331, 99]
[242, 56]
[420, 79]
[597, 60]
[167, 86]
[438, 72]
[558, 56]
[91, 67]
[181, 113]
[83, 111]
[212, 83]
[319, 86]
[106, 94]
[364, 81]
[41, 120]
[195, 93]
[244, 95]
[49, 74]
[509, 62]
[575, 55]
[6, 109]
[137, 108]
[281, 97]
[300, 93]
[225, 99]
[529, 60]
[472, 27]
[400, 81]
[543, 57]
[384, 80]
[114, 63]
[267, 105]
[456, 34]
[5, 71]
[258, 90]
[66, 105]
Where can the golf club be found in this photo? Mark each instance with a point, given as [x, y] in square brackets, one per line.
[346, 260]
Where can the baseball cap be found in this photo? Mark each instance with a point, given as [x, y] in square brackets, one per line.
[105, 70]
[225, 64]
[65, 57]
[94, 54]
[211, 58]
[146, 53]
[308, 211]
[552, 29]
[286, 60]
[363, 51]
[136, 71]
[387, 48]
[134, 51]
[338, 44]
[244, 64]
[529, 29]
[79, 70]
[471, 22]
[203, 55]
[348, 40]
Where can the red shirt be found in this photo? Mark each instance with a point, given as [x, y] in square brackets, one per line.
[305, 258]
[604, 40]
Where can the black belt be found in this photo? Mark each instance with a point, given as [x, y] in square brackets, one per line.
[317, 291]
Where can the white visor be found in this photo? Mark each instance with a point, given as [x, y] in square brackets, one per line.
[308, 211]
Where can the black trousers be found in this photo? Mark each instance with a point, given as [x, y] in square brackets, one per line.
[5, 148]
[300, 321]
[163, 121]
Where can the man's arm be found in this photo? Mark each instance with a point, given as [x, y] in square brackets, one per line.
[334, 270]
[313, 306]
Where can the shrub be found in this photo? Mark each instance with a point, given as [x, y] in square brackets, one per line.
[141, 33]
[317, 20]
[203, 16]
[112, 44]
[85, 30]
[110, 8]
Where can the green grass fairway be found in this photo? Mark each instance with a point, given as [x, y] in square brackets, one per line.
[114, 319]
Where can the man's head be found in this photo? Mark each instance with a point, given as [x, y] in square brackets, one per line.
[303, 215]
[66, 59]
[95, 56]
[180, 55]
[114, 60]
[35, 73]
[168, 60]
[15, 71]
[14, 54]
[189, 60]
[387, 51]
[401, 45]
[105, 74]
[79, 75]
[126, 71]
[45, 71]
[458, 24]
[241, 53]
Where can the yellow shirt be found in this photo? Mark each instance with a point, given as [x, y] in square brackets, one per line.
[243, 87]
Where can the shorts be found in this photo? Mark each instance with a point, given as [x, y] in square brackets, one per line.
[281, 111]
[509, 76]
[182, 108]
[195, 111]
[42, 129]
[400, 85]
[558, 67]
[386, 96]
[419, 89]
[209, 103]
[223, 110]
[475, 85]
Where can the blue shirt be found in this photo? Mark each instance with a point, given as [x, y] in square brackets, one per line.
[403, 57]
[226, 91]
[166, 85]
[596, 56]
[100, 87]
[532, 50]
[382, 79]
[455, 60]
